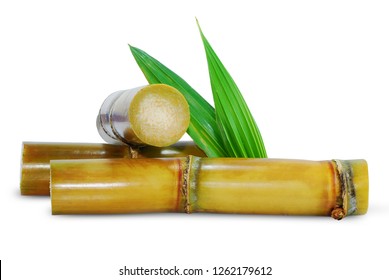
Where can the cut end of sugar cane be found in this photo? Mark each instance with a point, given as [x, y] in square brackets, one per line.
[159, 115]
[361, 186]
[155, 115]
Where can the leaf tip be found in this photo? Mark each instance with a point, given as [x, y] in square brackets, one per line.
[133, 49]
[198, 25]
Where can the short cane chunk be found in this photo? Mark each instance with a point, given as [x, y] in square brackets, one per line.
[159, 115]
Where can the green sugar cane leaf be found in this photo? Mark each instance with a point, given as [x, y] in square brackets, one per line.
[203, 127]
[239, 130]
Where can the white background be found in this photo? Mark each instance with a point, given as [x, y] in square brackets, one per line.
[314, 73]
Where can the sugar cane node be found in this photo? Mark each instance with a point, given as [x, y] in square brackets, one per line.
[134, 152]
[185, 184]
[189, 186]
[346, 202]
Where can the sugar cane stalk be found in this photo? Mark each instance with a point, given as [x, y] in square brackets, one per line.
[334, 188]
[35, 164]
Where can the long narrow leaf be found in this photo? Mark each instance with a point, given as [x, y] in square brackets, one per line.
[239, 131]
[203, 127]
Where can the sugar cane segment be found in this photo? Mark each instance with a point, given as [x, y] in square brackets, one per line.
[35, 165]
[217, 185]
[156, 115]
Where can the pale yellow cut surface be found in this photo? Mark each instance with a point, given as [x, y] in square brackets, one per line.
[159, 115]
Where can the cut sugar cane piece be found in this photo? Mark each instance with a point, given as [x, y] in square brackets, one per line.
[220, 185]
[155, 115]
[35, 162]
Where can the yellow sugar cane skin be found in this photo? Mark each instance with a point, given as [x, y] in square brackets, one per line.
[35, 165]
[116, 186]
[218, 185]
